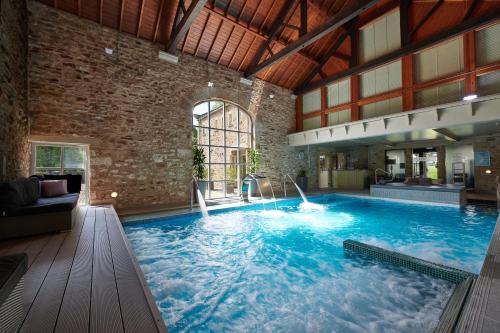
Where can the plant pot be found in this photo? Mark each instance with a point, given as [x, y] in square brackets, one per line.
[302, 183]
[202, 186]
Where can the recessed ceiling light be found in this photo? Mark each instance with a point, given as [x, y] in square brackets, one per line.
[488, 171]
[470, 97]
[210, 84]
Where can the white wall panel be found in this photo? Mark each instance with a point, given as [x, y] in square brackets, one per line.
[311, 123]
[311, 102]
[381, 79]
[380, 37]
[339, 93]
[440, 60]
[488, 45]
[339, 117]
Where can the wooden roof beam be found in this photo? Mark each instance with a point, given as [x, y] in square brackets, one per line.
[339, 19]
[255, 33]
[273, 32]
[324, 59]
[469, 25]
[426, 17]
[179, 30]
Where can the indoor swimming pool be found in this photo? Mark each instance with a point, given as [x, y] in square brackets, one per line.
[255, 268]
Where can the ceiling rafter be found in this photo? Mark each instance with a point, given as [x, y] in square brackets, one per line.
[426, 17]
[101, 5]
[413, 47]
[326, 57]
[236, 49]
[470, 10]
[225, 44]
[339, 19]
[139, 24]
[180, 29]
[159, 14]
[273, 32]
[254, 33]
[214, 39]
[122, 10]
[201, 35]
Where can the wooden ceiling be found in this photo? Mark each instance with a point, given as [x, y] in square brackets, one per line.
[231, 32]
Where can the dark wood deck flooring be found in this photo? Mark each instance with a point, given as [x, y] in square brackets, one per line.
[85, 280]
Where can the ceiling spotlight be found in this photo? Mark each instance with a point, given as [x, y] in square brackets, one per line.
[488, 171]
[210, 84]
[271, 96]
[114, 194]
[470, 97]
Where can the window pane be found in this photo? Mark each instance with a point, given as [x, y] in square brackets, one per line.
[216, 171]
[216, 137]
[245, 122]
[48, 157]
[231, 117]
[245, 140]
[200, 115]
[216, 155]
[311, 123]
[232, 179]
[232, 155]
[74, 158]
[311, 101]
[231, 139]
[216, 114]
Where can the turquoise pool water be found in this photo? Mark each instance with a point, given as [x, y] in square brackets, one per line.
[254, 269]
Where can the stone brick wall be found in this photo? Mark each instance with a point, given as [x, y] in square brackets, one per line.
[135, 110]
[487, 182]
[14, 122]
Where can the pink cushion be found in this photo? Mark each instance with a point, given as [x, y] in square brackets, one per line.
[54, 188]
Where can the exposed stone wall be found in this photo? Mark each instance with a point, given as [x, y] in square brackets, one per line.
[135, 110]
[487, 182]
[14, 123]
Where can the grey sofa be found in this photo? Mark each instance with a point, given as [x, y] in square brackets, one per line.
[23, 212]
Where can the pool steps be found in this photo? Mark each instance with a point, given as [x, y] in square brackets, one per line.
[463, 279]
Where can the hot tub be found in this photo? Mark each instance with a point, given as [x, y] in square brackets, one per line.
[445, 194]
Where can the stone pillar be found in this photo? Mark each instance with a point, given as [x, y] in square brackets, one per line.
[441, 163]
[408, 162]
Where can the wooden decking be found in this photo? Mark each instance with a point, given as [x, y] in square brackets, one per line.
[85, 280]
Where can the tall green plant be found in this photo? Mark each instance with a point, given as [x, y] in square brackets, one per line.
[199, 169]
[254, 158]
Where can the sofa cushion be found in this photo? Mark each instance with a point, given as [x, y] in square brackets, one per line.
[45, 205]
[54, 188]
[12, 268]
[20, 192]
[74, 182]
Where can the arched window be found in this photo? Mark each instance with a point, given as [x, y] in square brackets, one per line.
[224, 131]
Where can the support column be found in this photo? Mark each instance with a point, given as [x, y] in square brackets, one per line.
[407, 76]
[470, 63]
[323, 106]
[298, 114]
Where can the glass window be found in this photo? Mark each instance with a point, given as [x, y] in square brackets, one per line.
[381, 79]
[441, 60]
[59, 159]
[224, 130]
[382, 108]
[311, 101]
[488, 45]
[339, 93]
[442, 94]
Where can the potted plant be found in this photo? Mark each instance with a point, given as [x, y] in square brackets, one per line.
[199, 169]
[231, 181]
[253, 157]
[302, 180]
